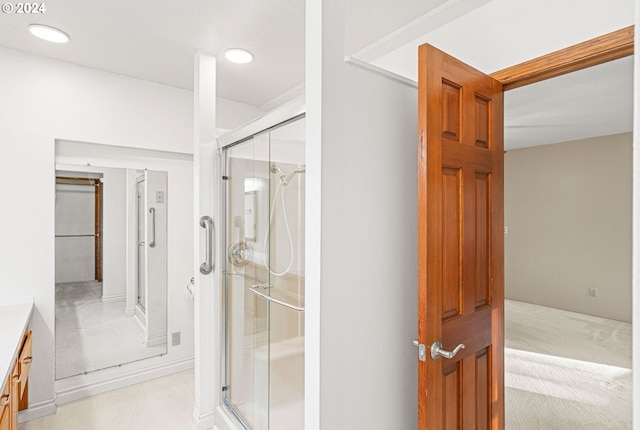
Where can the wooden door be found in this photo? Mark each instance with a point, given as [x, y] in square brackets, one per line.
[460, 280]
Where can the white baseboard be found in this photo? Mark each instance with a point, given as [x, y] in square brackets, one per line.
[82, 391]
[37, 410]
[140, 317]
[204, 421]
[110, 299]
[156, 340]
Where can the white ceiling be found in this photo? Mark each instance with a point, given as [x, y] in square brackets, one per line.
[597, 101]
[155, 40]
[592, 102]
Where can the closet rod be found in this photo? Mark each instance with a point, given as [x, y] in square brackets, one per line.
[78, 235]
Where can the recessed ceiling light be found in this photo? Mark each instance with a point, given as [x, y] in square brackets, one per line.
[48, 33]
[237, 55]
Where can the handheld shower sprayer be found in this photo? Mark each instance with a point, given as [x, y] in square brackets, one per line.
[275, 169]
[284, 181]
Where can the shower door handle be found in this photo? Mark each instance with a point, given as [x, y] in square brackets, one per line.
[152, 242]
[209, 231]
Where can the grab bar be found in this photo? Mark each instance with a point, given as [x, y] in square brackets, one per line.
[152, 242]
[208, 266]
[271, 299]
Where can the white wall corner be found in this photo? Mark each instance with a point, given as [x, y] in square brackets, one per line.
[313, 216]
[207, 367]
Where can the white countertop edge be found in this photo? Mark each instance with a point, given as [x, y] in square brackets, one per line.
[14, 320]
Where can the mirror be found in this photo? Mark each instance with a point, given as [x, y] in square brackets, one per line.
[111, 267]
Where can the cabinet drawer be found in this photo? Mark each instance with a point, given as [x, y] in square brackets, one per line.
[24, 362]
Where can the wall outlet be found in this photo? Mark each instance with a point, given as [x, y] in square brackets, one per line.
[593, 292]
[175, 338]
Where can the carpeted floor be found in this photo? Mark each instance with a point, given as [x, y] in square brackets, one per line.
[565, 370]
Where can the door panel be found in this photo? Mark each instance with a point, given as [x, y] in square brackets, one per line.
[460, 244]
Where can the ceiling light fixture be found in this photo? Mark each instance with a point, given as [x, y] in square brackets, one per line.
[48, 33]
[237, 55]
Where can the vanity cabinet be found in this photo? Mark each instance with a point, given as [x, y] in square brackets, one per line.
[15, 391]
[15, 361]
[24, 366]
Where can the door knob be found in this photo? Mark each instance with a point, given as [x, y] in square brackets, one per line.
[437, 351]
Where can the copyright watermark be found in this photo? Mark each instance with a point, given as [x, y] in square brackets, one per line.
[24, 8]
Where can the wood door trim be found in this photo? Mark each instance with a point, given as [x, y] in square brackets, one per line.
[98, 231]
[68, 180]
[608, 47]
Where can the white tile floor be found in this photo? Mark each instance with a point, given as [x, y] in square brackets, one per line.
[161, 404]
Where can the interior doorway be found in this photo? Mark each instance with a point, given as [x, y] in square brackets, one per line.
[79, 228]
[571, 317]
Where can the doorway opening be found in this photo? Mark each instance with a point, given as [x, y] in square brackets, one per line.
[568, 258]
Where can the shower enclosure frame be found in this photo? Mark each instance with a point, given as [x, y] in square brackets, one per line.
[227, 418]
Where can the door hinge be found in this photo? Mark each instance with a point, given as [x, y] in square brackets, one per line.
[225, 388]
[225, 177]
[422, 350]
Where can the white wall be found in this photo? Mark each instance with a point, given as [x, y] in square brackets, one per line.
[114, 233]
[45, 100]
[364, 127]
[230, 114]
[568, 213]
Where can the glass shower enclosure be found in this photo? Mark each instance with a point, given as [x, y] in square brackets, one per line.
[263, 278]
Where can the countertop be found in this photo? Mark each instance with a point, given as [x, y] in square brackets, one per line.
[14, 320]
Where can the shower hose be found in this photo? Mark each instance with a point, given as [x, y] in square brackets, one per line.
[267, 263]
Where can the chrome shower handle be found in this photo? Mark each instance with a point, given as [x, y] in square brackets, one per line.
[152, 242]
[208, 266]
[437, 351]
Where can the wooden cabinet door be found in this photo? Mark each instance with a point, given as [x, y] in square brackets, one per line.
[5, 407]
[461, 296]
[24, 367]
[14, 397]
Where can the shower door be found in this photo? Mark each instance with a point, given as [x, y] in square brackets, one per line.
[264, 281]
[151, 256]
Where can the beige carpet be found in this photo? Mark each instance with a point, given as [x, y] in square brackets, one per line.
[561, 386]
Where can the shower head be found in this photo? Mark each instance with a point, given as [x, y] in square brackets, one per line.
[275, 169]
[284, 179]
